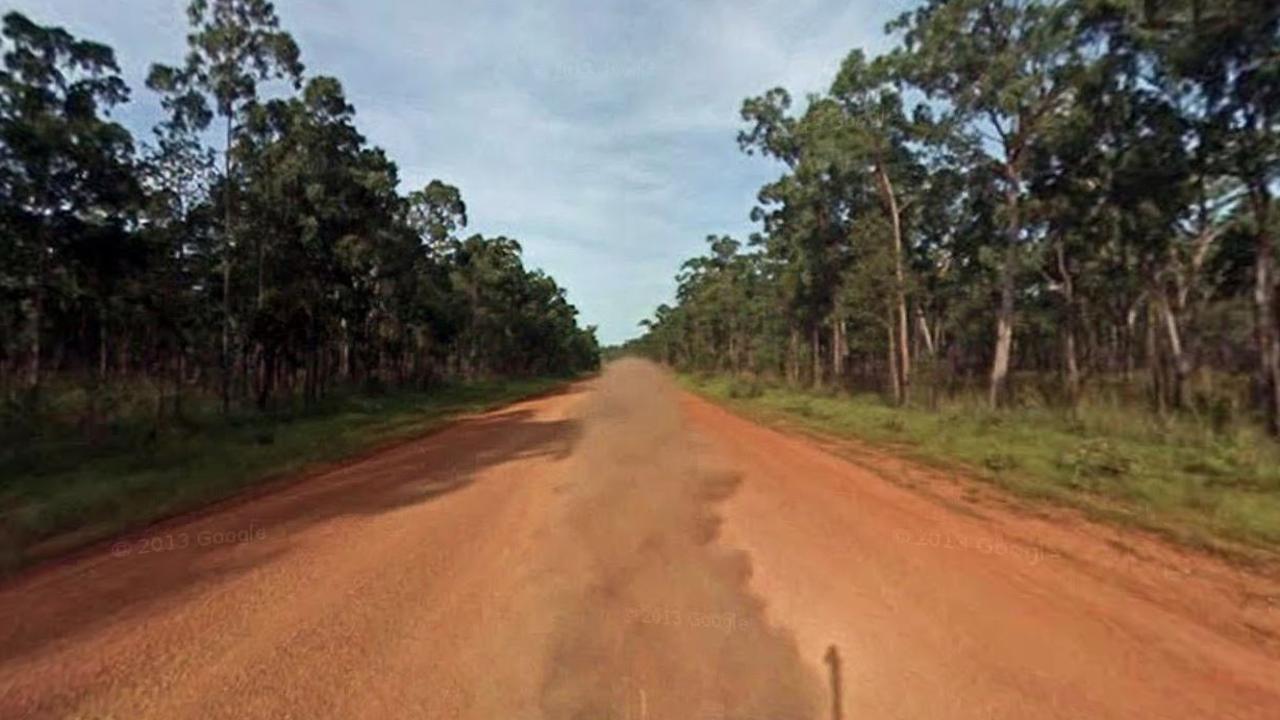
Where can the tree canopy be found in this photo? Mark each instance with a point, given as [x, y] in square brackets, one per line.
[294, 265]
[1019, 191]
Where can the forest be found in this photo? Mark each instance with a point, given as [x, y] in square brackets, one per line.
[254, 251]
[1034, 202]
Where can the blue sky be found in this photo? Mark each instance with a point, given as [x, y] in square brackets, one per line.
[600, 134]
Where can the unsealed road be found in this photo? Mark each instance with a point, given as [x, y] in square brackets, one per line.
[620, 550]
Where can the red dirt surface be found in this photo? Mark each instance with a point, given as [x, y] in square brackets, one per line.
[622, 550]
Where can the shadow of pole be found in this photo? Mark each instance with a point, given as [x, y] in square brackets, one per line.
[832, 659]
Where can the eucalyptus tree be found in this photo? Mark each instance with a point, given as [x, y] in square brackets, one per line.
[177, 174]
[307, 189]
[1001, 70]
[805, 214]
[234, 45]
[716, 287]
[879, 137]
[485, 274]
[663, 337]
[437, 213]
[1230, 52]
[66, 177]
[1139, 158]
[771, 132]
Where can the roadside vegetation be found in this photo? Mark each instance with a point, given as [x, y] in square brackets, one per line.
[1043, 233]
[62, 490]
[1213, 488]
[246, 290]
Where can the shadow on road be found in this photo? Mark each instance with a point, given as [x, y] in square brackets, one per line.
[168, 563]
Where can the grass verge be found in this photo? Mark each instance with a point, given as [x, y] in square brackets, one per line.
[59, 492]
[1212, 489]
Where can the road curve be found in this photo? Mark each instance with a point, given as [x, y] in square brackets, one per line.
[622, 550]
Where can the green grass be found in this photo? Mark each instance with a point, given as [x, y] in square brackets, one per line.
[1211, 488]
[59, 491]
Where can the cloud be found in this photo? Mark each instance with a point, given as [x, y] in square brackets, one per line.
[600, 134]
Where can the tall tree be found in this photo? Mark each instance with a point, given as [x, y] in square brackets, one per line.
[66, 171]
[177, 173]
[879, 139]
[437, 213]
[1001, 70]
[1230, 50]
[234, 45]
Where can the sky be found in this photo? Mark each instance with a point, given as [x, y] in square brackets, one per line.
[600, 134]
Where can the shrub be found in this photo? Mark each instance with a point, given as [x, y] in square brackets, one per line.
[893, 425]
[999, 462]
[1218, 408]
[1096, 458]
[745, 388]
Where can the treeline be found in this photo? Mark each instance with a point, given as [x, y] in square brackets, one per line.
[1023, 195]
[278, 260]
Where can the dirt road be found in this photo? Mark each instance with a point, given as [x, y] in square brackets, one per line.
[620, 550]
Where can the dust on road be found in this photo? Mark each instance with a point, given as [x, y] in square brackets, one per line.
[666, 623]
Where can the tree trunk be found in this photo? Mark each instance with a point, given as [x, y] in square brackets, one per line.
[1158, 389]
[179, 379]
[1088, 337]
[35, 320]
[123, 351]
[267, 366]
[226, 274]
[1004, 313]
[902, 327]
[1130, 341]
[344, 353]
[793, 357]
[1004, 334]
[837, 350]
[1181, 362]
[1070, 363]
[102, 346]
[892, 376]
[926, 335]
[816, 341]
[1264, 302]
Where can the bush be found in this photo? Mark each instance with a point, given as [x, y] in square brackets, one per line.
[1096, 458]
[999, 462]
[745, 388]
[1218, 408]
[893, 425]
